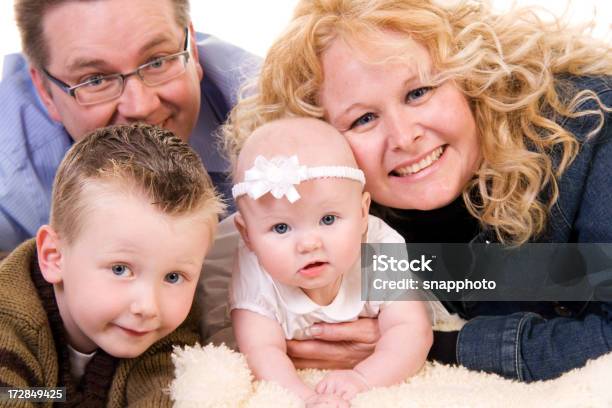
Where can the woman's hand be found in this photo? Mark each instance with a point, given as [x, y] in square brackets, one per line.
[335, 345]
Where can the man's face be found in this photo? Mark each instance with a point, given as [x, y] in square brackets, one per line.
[105, 37]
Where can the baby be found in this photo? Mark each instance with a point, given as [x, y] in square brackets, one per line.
[302, 217]
[96, 302]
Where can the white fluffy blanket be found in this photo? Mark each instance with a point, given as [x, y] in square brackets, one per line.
[217, 377]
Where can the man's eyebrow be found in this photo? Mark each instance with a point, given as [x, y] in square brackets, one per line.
[81, 63]
[97, 63]
[155, 41]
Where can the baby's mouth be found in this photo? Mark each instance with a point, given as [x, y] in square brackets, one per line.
[314, 265]
[313, 269]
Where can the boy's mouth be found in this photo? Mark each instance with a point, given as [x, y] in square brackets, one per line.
[135, 333]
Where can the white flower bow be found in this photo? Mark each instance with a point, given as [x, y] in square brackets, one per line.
[277, 176]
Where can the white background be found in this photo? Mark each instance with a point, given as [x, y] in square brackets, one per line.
[254, 24]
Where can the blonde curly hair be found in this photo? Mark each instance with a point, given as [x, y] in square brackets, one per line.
[508, 66]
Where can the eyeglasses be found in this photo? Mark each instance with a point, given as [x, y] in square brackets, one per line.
[103, 88]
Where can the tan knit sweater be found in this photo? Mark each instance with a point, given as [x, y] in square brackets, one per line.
[29, 350]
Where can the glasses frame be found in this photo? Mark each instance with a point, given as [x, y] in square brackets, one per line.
[71, 90]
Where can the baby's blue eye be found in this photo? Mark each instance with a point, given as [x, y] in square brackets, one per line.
[280, 228]
[328, 219]
[119, 269]
[173, 277]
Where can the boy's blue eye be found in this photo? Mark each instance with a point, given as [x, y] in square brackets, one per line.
[173, 277]
[280, 228]
[119, 269]
[328, 219]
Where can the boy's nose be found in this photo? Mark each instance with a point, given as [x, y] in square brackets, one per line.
[145, 304]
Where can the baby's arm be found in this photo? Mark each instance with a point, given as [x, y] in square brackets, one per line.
[406, 337]
[262, 341]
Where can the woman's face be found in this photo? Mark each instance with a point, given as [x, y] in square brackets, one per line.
[417, 145]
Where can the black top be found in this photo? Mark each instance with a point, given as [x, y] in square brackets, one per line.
[451, 224]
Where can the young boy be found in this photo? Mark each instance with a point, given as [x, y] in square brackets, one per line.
[97, 300]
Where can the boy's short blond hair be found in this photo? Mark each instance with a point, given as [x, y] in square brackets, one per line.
[143, 157]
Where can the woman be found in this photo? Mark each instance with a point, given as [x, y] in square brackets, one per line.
[470, 127]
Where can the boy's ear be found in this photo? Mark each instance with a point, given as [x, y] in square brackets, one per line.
[365, 209]
[242, 229]
[43, 92]
[49, 254]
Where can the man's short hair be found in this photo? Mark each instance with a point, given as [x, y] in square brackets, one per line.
[142, 158]
[29, 15]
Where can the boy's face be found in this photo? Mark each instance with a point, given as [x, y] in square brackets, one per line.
[129, 277]
[312, 242]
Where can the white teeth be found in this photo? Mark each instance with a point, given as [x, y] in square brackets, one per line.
[425, 162]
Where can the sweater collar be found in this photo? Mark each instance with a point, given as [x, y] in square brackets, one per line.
[94, 386]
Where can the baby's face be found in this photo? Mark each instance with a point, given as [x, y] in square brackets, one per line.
[130, 275]
[312, 242]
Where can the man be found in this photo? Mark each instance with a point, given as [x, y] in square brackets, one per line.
[101, 62]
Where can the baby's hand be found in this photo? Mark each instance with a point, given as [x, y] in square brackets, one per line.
[343, 383]
[326, 401]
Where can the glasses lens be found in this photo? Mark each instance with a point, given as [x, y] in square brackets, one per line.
[99, 90]
[163, 69]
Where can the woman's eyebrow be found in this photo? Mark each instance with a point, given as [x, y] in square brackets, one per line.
[350, 108]
[410, 81]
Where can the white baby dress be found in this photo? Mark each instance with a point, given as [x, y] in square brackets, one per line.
[253, 289]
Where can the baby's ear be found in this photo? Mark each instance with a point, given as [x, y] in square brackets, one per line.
[365, 209]
[242, 229]
[49, 254]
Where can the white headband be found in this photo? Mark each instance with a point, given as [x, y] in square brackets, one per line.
[281, 174]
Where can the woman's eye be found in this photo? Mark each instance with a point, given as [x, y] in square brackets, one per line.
[418, 93]
[363, 120]
[173, 277]
[280, 228]
[120, 270]
[328, 219]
